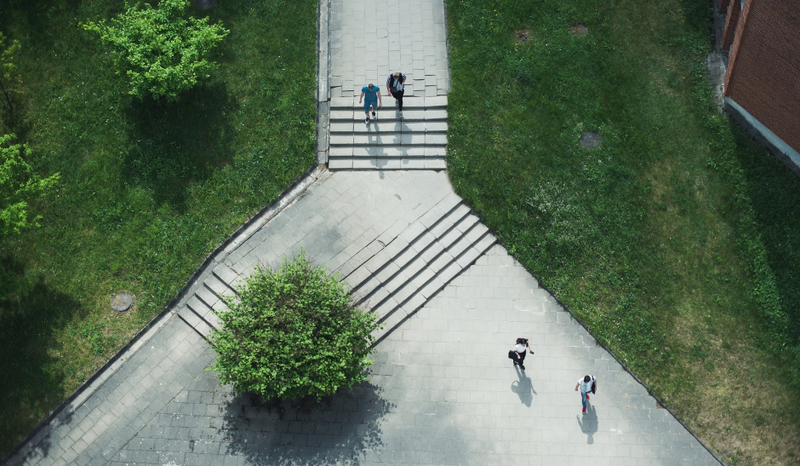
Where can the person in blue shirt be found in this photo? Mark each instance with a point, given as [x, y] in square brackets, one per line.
[371, 95]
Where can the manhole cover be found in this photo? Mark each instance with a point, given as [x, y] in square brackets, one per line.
[579, 29]
[121, 302]
[590, 140]
[204, 4]
[523, 35]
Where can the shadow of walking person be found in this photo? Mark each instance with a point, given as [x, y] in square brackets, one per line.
[523, 387]
[588, 423]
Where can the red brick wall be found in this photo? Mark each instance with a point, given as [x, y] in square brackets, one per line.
[731, 23]
[763, 74]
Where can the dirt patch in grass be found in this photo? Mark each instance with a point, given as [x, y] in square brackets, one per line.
[579, 29]
[523, 35]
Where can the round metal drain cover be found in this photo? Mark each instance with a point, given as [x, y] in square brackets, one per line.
[590, 140]
[121, 302]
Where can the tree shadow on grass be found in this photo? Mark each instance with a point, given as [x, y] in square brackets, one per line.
[33, 378]
[176, 144]
[338, 430]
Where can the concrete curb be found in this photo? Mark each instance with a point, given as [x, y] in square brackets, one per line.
[323, 80]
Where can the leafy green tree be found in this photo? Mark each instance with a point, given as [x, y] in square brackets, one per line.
[18, 184]
[161, 50]
[293, 333]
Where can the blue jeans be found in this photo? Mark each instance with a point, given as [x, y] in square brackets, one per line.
[584, 399]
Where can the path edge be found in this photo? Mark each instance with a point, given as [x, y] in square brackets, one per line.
[323, 80]
[253, 224]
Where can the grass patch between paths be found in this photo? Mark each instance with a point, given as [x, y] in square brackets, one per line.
[148, 189]
[674, 241]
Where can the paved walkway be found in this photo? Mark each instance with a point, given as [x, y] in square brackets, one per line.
[441, 389]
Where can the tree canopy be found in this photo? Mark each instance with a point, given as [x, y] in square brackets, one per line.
[162, 51]
[293, 333]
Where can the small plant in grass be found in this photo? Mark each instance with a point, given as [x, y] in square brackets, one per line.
[18, 185]
[293, 333]
[162, 52]
[10, 81]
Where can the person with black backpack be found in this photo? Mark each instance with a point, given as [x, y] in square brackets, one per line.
[586, 385]
[395, 85]
[517, 354]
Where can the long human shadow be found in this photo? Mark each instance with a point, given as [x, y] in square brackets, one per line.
[523, 387]
[30, 314]
[588, 423]
[337, 430]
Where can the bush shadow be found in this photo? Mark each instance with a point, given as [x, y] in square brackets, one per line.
[176, 144]
[30, 313]
[337, 430]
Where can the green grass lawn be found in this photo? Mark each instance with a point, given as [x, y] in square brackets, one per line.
[148, 189]
[675, 241]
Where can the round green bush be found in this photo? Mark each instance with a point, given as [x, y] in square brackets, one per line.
[293, 333]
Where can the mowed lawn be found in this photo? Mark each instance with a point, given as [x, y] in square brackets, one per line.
[147, 190]
[676, 241]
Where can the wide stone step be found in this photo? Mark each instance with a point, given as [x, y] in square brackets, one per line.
[200, 325]
[399, 275]
[388, 114]
[395, 265]
[393, 312]
[206, 311]
[391, 255]
[367, 247]
[387, 151]
[393, 126]
[418, 271]
[404, 163]
[389, 138]
[409, 102]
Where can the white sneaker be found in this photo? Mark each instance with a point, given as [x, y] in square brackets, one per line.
[366, 121]
[400, 114]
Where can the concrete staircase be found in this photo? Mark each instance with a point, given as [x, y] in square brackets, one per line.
[397, 277]
[199, 311]
[393, 274]
[415, 142]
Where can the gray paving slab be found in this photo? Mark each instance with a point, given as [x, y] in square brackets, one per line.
[370, 40]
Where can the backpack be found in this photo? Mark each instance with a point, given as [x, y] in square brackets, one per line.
[393, 81]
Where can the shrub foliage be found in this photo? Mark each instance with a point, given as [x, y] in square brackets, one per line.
[19, 184]
[162, 52]
[293, 333]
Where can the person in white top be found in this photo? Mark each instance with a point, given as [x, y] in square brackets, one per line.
[520, 348]
[585, 386]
